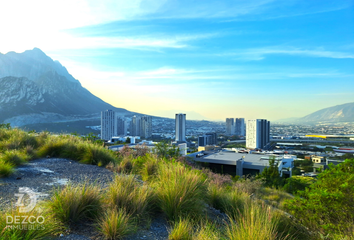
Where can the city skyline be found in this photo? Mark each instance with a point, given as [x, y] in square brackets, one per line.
[256, 59]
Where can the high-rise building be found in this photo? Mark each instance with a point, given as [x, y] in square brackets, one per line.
[121, 127]
[230, 127]
[146, 126]
[135, 126]
[240, 126]
[180, 127]
[257, 133]
[108, 124]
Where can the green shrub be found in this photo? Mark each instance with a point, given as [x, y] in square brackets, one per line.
[116, 224]
[327, 205]
[181, 230]
[298, 183]
[76, 203]
[180, 191]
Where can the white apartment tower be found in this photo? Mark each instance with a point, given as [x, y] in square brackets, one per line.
[257, 133]
[180, 127]
[108, 124]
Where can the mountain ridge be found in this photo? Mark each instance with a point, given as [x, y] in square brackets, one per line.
[36, 89]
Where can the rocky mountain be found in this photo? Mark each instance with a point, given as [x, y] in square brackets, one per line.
[36, 89]
[339, 113]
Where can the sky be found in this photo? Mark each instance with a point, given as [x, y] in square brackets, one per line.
[271, 59]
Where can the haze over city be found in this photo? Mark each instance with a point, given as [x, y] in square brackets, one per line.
[210, 59]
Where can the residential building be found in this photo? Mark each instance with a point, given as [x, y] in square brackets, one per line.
[180, 127]
[135, 126]
[121, 127]
[240, 126]
[230, 127]
[108, 125]
[146, 126]
[257, 133]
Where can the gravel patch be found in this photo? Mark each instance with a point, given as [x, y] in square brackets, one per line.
[43, 175]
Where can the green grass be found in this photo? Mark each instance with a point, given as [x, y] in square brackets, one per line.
[180, 191]
[116, 224]
[74, 204]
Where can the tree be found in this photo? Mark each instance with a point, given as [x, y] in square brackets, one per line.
[163, 150]
[271, 175]
[327, 205]
[297, 183]
[127, 140]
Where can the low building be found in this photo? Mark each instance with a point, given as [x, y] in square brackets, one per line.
[243, 164]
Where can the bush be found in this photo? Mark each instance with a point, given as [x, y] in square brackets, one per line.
[74, 204]
[327, 205]
[116, 224]
[180, 191]
[298, 183]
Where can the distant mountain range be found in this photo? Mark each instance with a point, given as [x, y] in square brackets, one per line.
[339, 113]
[35, 89]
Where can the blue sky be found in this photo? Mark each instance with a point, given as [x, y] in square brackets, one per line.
[211, 59]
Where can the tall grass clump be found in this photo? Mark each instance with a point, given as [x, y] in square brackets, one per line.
[180, 191]
[116, 224]
[77, 149]
[150, 168]
[229, 200]
[41, 225]
[16, 157]
[74, 204]
[128, 194]
[6, 168]
[181, 230]
[256, 222]
[208, 231]
[16, 139]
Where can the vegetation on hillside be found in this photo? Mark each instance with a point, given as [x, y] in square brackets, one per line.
[175, 188]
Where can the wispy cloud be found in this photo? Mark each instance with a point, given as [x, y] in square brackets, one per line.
[260, 53]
